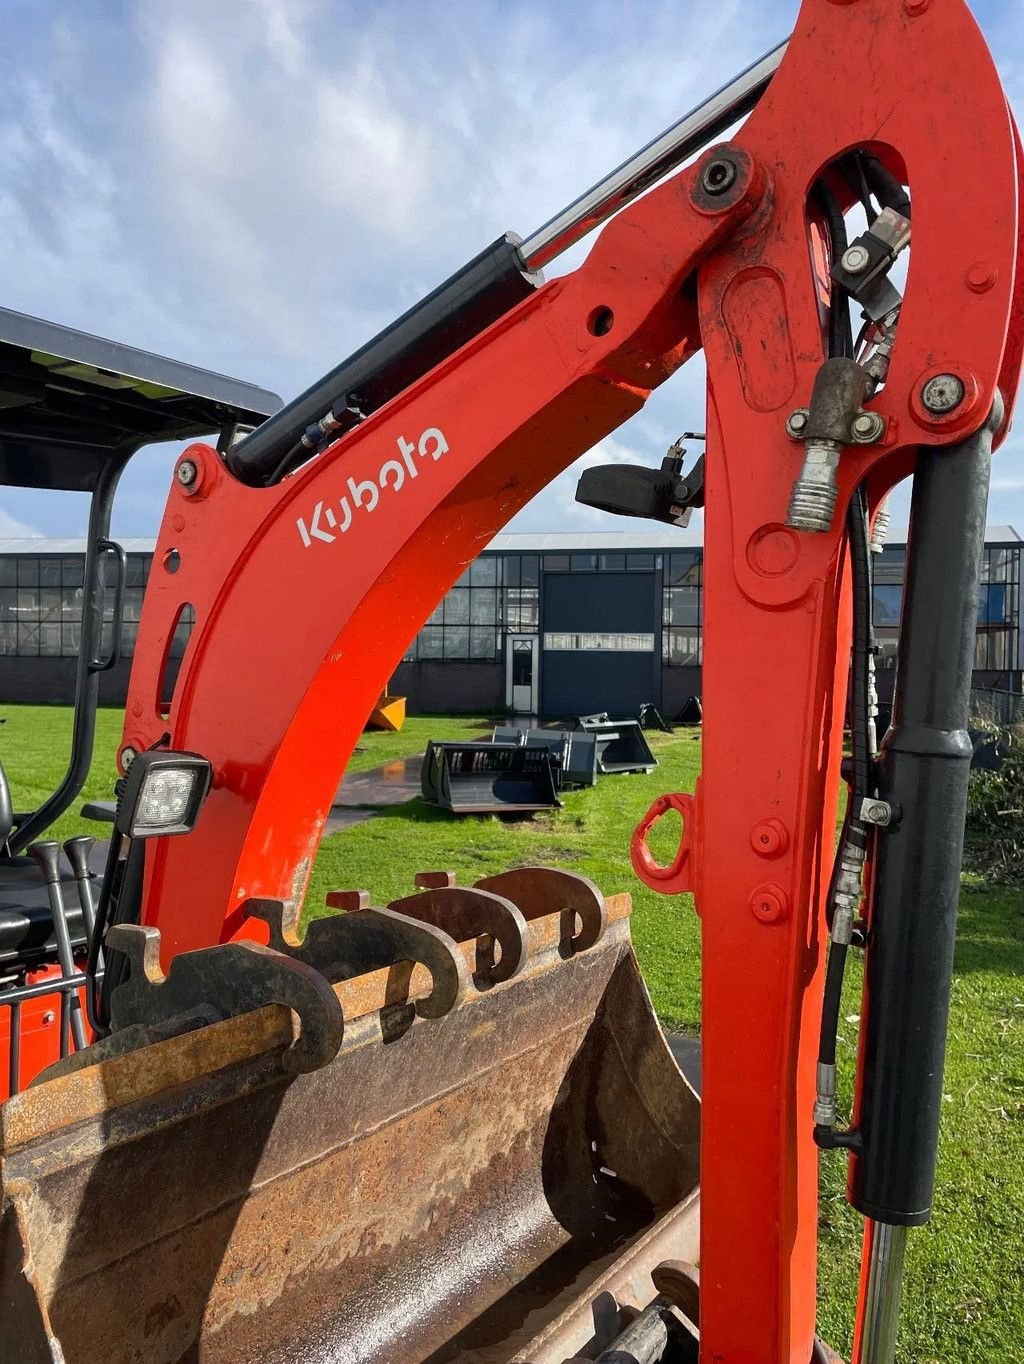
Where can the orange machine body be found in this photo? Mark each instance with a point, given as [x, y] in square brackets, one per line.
[307, 593]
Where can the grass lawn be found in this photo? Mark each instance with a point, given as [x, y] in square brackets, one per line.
[963, 1296]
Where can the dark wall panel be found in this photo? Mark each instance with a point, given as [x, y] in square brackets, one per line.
[439, 687]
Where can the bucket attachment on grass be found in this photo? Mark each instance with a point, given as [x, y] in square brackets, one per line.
[388, 713]
[573, 750]
[483, 778]
[621, 744]
[496, 1184]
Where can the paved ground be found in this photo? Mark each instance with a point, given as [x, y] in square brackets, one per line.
[686, 1050]
[362, 794]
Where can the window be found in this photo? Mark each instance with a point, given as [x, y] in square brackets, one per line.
[624, 642]
[682, 608]
[41, 605]
[465, 623]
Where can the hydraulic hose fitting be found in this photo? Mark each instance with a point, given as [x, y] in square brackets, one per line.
[839, 391]
[825, 1099]
[880, 526]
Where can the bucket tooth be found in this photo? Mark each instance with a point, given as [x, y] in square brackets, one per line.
[434, 880]
[539, 891]
[362, 938]
[467, 912]
[208, 986]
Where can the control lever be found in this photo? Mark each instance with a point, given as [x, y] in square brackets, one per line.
[78, 850]
[46, 854]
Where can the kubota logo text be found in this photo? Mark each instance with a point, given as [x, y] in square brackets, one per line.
[330, 520]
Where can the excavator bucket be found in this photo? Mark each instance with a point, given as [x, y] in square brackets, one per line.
[488, 778]
[497, 1157]
[621, 744]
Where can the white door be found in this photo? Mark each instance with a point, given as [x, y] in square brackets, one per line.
[521, 674]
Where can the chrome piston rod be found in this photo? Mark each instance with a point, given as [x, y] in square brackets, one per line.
[646, 167]
[880, 1290]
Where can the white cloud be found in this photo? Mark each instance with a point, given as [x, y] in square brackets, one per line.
[260, 187]
[12, 528]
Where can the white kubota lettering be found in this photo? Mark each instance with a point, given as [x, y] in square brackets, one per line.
[325, 524]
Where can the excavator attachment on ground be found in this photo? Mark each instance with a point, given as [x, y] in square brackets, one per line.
[486, 1170]
[488, 778]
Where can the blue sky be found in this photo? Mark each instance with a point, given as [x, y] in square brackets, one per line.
[257, 186]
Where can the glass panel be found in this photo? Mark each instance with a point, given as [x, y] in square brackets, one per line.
[583, 563]
[556, 563]
[49, 572]
[50, 603]
[483, 606]
[640, 561]
[133, 603]
[456, 606]
[511, 569]
[889, 565]
[437, 615]
[72, 571]
[684, 566]
[456, 641]
[129, 636]
[71, 639]
[522, 663]
[992, 604]
[28, 571]
[529, 570]
[8, 637]
[135, 574]
[612, 563]
[682, 606]
[49, 639]
[429, 643]
[619, 642]
[71, 602]
[28, 638]
[886, 600]
[463, 579]
[682, 648]
[8, 572]
[483, 572]
[483, 643]
[28, 601]
[8, 603]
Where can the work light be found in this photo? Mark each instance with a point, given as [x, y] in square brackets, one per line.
[163, 794]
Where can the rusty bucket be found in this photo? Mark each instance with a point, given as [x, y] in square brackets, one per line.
[495, 1160]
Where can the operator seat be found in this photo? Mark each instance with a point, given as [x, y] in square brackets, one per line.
[26, 924]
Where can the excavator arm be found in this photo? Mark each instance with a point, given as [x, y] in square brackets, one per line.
[310, 564]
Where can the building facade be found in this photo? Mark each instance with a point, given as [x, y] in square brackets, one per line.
[538, 624]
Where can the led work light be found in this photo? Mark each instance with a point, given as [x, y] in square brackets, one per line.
[163, 794]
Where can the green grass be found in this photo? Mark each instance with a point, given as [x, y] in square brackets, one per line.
[963, 1300]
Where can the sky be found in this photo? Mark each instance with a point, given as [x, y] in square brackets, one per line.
[258, 186]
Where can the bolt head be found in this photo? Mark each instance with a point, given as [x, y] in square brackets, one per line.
[128, 756]
[855, 259]
[796, 422]
[867, 427]
[943, 393]
[186, 473]
[718, 176]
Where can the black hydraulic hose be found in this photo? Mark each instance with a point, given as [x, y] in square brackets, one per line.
[831, 1003]
[93, 1003]
[885, 187]
[840, 339]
